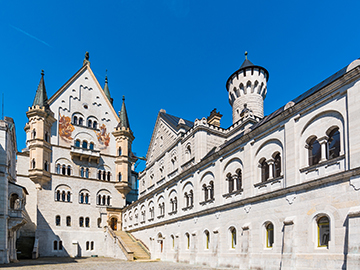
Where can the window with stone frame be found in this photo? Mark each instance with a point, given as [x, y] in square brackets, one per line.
[57, 220]
[323, 231]
[333, 143]
[314, 151]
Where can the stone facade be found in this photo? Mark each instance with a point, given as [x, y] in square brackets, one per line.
[280, 191]
[70, 168]
[13, 196]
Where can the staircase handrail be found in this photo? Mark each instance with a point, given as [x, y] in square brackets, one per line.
[142, 245]
[128, 253]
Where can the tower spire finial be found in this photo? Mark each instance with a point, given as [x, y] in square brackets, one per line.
[123, 98]
[106, 76]
[246, 53]
[86, 60]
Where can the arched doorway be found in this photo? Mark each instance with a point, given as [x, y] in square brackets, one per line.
[161, 242]
[113, 223]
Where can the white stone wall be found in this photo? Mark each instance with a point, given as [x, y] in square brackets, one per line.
[292, 202]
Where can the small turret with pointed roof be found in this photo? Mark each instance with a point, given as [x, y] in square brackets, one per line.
[106, 91]
[124, 120]
[247, 88]
[41, 98]
[38, 130]
[124, 138]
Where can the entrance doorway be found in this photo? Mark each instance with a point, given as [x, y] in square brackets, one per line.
[113, 223]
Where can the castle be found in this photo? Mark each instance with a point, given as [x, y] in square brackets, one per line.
[269, 192]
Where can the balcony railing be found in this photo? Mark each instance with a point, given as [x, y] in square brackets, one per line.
[85, 154]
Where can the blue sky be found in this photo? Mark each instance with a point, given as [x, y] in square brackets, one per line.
[172, 54]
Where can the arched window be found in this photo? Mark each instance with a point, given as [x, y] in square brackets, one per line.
[91, 146]
[58, 168]
[46, 166]
[82, 172]
[238, 179]
[92, 245]
[68, 170]
[99, 222]
[94, 125]
[75, 120]
[230, 182]
[84, 144]
[34, 134]
[233, 237]
[87, 222]
[68, 198]
[323, 226]
[87, 173]
[55, 245]
[99, 200]
[47, 136]
[187, 235]
[33, 163]
[108, 200]
[108, 176]
[207, 239]
[188, 152]
[77, 143]
[191, 196]
[277, 165]
[264, 170]
[58, 195]
[269, 235]
[119, 151]
[89, 123]
[99, 175]
[119, 177]
[205, 192]
[86, 198]
[211, 190]
[175, 204]
[104, 175]
[172, 242]
[103, 200]
[14, 199]
[60, 245]
[57, 220]
[68, 221]
[63, 194]
[81, 222]
[314, 150]
[82, 197]
[87, 245]
[333, 144]
[81, 121]
[63, 170]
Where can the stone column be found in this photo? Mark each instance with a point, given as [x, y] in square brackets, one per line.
[270, 162]
[323, 141]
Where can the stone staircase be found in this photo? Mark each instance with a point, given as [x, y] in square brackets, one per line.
[140, 252]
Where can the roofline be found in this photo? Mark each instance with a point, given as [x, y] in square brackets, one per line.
[244, 68]
[72, 79]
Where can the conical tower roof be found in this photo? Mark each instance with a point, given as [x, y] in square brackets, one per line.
[124, 120]
[106, 90]
[41, 98]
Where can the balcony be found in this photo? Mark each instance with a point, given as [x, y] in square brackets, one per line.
[85, 154]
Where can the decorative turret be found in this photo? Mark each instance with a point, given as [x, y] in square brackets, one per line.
[106, 90]
[247, 90]
[38, 131]
[124, 160]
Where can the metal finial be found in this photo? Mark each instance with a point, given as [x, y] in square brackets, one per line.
[246, 53]
[106, 76]
[87, 56]
[123, 98]
[42, 72]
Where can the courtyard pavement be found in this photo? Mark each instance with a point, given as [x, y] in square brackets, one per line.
[99, 263]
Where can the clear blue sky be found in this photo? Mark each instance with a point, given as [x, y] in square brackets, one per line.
[172, 54]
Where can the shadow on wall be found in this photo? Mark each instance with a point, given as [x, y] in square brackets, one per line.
[50, 244]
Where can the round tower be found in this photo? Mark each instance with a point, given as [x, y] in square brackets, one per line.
[247, 90]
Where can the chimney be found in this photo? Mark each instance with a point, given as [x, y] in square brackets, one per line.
[214, 118]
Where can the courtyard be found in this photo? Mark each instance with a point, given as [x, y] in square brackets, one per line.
[98, 263]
